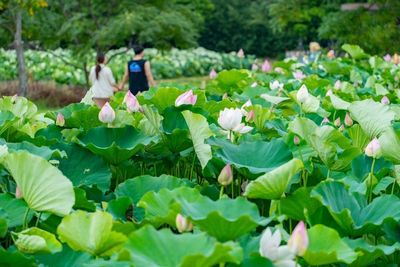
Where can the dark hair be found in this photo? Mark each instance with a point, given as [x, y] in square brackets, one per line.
[99, 60]
[138, 49]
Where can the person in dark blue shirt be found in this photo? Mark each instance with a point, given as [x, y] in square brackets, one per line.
[138, 71]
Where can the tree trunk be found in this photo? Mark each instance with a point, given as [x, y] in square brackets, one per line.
[86, 72]
[19, 49]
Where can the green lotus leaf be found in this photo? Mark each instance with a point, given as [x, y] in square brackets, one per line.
[358, 137]
[390, 144]
[369, 253]
[274, 99]
[151, 123]
[114, 144]
[355, 51]
[15, 210]
[15, 258]
[81, 202]
[339, 103]
[225, 219]
[84, 168]
[3, 222]
[256, 156]
[20, 106]
[327, 247]
[179, 250]
[82, 116]
[161, 98]
[351, 210]
[311, 105]
[199, 132]
[299, 204]
[7, 118]
[44, 187]
[91, 233]
[229, 79]
[374, 118]
[273, 184]
[67, 257]
[118, 207]
[34, 240]
[43, 151]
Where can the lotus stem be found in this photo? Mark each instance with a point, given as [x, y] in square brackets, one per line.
[25, 224]
[191, 170]
[328, 174]
[221, 192]
[371, 174]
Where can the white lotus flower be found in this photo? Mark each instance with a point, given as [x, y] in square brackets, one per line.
[275, 85]
[230, 119]
[281, 256]
[302, 95]
[107, 114]
[373, 149]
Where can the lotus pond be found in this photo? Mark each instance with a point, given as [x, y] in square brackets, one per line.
[295, 165]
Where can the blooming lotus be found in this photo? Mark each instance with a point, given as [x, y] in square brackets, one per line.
[373, 149]
[266, 66]
[240, 53]
[183, 224]
[298, 75]
[387, 58]
[347, 120]
[131, 102]
[331, 54]
[187, 98]
[275, 85]
[225, 177]
[298, 241]
[281, 256]
[230, 119]
[60, 121]
[385, 100]
[213, 74]
[107, 114]
[302, 94]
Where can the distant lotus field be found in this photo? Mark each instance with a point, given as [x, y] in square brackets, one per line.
[291, 163]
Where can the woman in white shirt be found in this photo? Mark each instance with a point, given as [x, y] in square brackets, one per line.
[103, 82]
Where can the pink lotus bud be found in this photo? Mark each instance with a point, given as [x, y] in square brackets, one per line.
[60, 121]
[296, 140]
[266, 66]
[250, 116]
[240, 53]
[254, 67]
[131, 102]
[385, 100]
[329, 93]
[338, 85]
[387, 58]
[298, 75]
[107, 114]
[213, 74]
[183, 224]
[18, 192]
[298, 241]
[226, 176]
[302, 95]
[187, 98]
[325, 121]
[337, 122]
[255, 84]
[373, 149]
[347, 120]
[331, 54]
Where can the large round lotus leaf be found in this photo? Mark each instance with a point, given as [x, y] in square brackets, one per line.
[299, 204]
[80, 116]
[90, 232]
[34, 240]
[67, 257]
[15, 258]
[41, 151]
[273, 184]
[257, 156]
[171, 250]
[225, 219]
[351, 210]
[84, 168]
[327, 247]
[369, 253]
[374, 118]
[43, 186]
[15, 209]
[114, 144]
